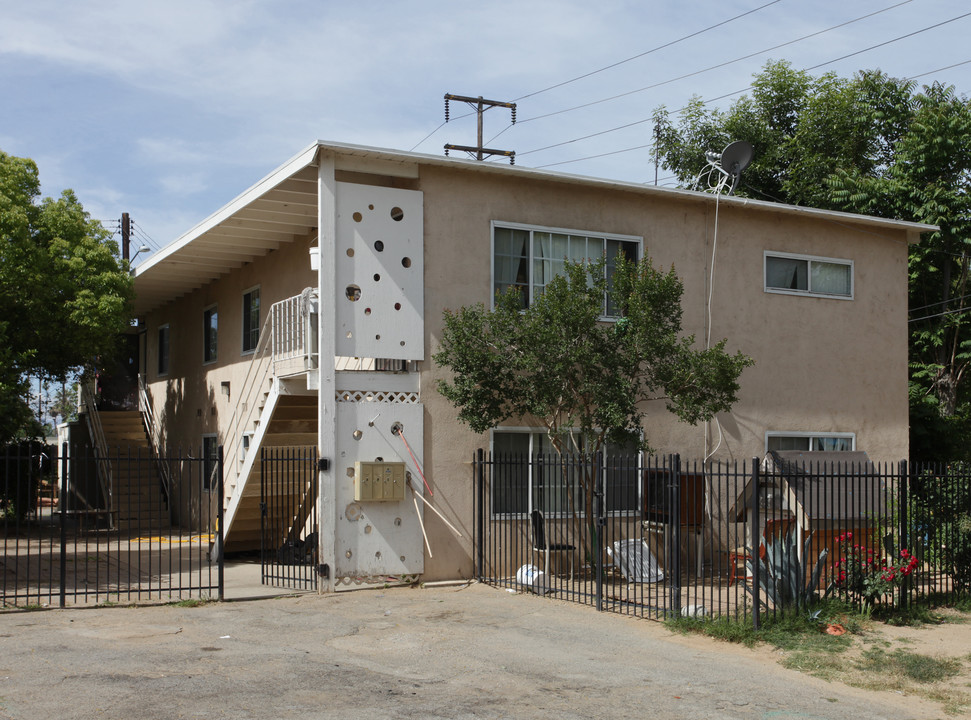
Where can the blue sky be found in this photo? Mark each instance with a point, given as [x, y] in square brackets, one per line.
[168, 110]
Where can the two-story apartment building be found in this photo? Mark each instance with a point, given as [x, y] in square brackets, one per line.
[306, 311]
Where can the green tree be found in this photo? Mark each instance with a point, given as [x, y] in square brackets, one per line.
[64, 294]
[876, 145]
[589, 382]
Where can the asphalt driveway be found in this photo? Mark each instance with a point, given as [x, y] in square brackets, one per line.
[466, 652]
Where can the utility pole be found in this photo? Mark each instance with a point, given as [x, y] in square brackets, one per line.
[480, 106]
[125, 236]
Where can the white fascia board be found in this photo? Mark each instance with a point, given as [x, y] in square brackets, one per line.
[298, 162]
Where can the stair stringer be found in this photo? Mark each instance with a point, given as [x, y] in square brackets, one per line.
[252, 455]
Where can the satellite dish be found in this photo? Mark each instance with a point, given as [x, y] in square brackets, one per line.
[724, 170]
[736, 157]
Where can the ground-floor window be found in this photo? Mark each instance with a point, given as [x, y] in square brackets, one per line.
[528, 475]
[810, 441]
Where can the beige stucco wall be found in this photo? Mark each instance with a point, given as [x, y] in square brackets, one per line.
[822, 365]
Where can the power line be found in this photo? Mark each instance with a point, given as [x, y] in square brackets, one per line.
[719, 65]
[959, 311]
[612, 65]
[648, 52]
[726, 95]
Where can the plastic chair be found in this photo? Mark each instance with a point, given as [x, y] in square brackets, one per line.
[542, 545]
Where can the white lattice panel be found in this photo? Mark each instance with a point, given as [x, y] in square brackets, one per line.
[378, 538]
[381, 396]
[380, 272]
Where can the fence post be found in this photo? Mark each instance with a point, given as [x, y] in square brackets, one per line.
[601, 522]
[674, 495]
[479, 480]
[62, 508]
[903, 498]
[754, 532]
[220, 515]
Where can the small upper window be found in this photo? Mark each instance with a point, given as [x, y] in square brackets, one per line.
[210, 326]
[251, 319]
[163, 350]
[806, 275]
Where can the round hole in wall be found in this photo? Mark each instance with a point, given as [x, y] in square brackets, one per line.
[406, 262]
[397, 522]
[370, 207]
[377, 277]
[379, 459]
[377, 337]
[357, 217]
[402, 558]
[377, 555]
[402, 343]
[353, 293]
[350, 252]
[397, 306]
[397, 213]
[379, 245]
[367, 529]
[348, 554]
[367, 311]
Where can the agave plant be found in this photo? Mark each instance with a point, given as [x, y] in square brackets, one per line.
[782, 572]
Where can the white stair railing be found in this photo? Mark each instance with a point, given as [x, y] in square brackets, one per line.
[287, 345]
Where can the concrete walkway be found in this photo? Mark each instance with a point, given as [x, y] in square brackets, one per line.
[469, 652]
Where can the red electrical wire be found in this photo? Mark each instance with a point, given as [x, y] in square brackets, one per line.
[401, 434]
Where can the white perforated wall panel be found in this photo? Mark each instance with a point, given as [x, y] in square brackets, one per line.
[378, 538]
[380, 272]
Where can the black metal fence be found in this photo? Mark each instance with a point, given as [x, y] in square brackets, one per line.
[82, 528]
[288, 517]
[658, 537]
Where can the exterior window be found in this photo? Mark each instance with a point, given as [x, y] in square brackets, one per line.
[527, 258]
[810, 442]
[210, 465]
[519, 486]
[163, 349]
[251, 319]
[210, 323]
[805, 275]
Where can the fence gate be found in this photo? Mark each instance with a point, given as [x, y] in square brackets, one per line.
[288, 508]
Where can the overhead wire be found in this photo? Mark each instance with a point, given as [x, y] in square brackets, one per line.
[729, 94]
[736, 92]
[609, 67]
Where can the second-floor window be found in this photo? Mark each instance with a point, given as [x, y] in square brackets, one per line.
[527, 258]
[251, 319]
[808, 275]
[210, 326]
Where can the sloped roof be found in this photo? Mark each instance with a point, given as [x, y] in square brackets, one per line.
[283, 206]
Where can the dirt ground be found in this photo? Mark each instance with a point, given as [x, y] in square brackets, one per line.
[453, 652]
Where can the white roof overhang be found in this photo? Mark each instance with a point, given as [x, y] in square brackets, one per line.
[283, 206]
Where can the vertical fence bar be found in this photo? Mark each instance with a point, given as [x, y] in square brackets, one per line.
[220, 479]
[62, 511]
[754, 532]
[599, 525]
[480, 513]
